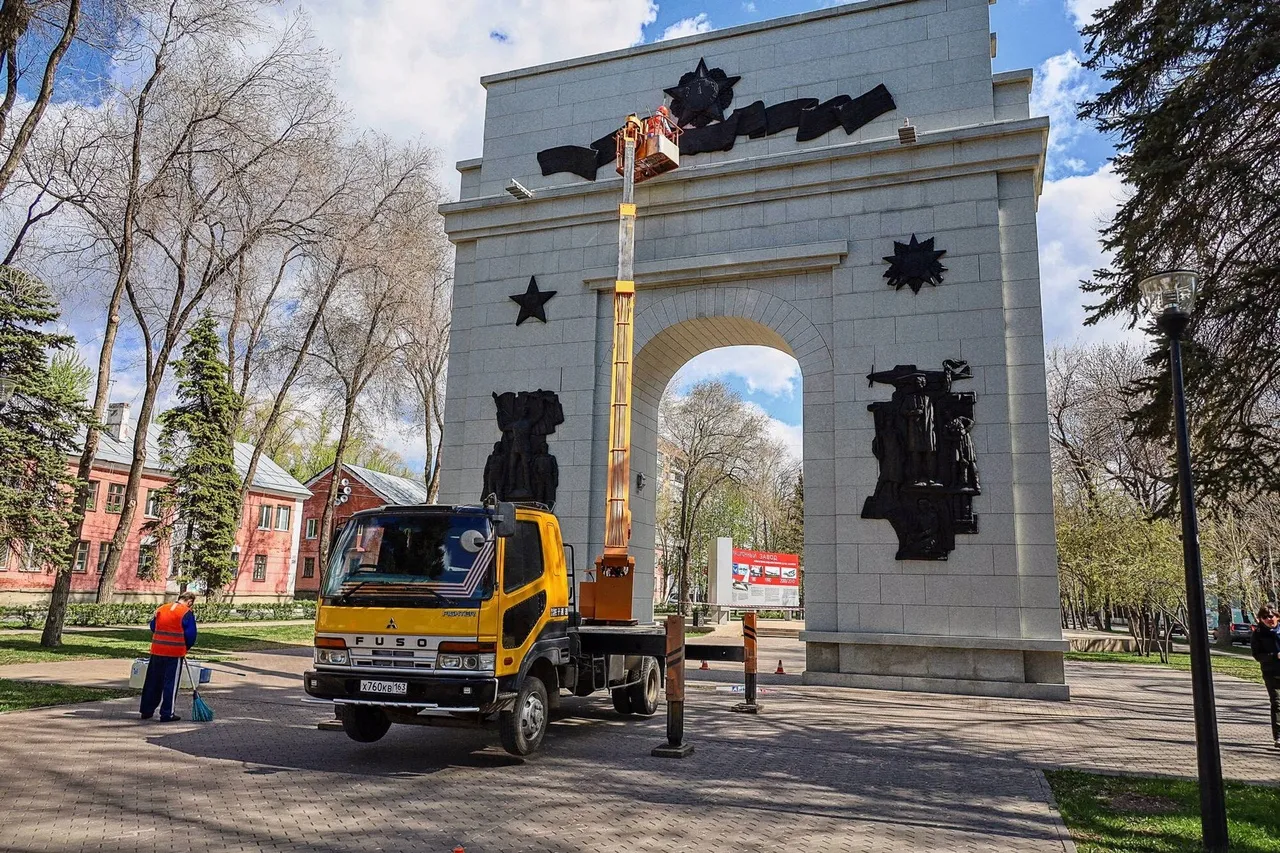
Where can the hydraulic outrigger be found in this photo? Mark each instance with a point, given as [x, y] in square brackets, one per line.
[646, 148]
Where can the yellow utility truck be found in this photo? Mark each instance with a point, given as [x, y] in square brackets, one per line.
[450, 615]
[465, 615]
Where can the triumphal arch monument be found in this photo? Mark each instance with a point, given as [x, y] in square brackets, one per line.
[856, 189]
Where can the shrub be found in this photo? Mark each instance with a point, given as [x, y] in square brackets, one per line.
[140, 612]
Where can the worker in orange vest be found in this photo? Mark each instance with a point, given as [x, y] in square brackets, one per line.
[173, 631]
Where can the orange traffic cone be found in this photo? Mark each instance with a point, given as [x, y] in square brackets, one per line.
[704, 666]
[779, 670]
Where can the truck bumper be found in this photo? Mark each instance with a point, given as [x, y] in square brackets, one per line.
[475, 694]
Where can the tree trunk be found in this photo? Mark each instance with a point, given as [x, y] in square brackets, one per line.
[433, 480]
[1223, 638]
[107, 582]
[344, 434]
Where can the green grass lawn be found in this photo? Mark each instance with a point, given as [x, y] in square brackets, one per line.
[1233, 665]
[24, 646]
[21, 695]
[1110, 814]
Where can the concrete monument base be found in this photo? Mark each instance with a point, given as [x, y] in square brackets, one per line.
[979, 666]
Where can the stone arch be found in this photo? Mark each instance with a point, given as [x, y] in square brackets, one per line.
[671, 331]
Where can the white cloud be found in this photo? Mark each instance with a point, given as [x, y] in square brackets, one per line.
[1082, 10]
[687, 27]
[790, 436]
[410, 68]
[1060, 84]
[1072, 210]
[764, 369]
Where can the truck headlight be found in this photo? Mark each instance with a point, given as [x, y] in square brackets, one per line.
[335, 657]
[466, 656]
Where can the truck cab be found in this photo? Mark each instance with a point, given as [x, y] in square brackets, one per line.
[461, 615]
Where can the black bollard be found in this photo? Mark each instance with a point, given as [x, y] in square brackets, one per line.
[748, 665]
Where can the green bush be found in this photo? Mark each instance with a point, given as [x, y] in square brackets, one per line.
[139, 613]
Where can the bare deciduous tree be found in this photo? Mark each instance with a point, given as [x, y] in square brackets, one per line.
[237, 129]
[380, 189]
[714, 438]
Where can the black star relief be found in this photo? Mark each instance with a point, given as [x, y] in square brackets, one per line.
[531, 302]
[914, 264]
[702, 96]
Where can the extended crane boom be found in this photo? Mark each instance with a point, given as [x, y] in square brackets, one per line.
[646, 147]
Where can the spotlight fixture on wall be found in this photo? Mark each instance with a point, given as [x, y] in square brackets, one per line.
[519, 190]
[640, 481]
[907, 133]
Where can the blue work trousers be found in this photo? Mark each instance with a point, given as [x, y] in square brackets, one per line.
[161, 686]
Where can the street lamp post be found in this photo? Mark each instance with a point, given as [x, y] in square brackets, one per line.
[1171, 296]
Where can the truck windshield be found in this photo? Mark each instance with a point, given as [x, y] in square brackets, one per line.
[412, 559]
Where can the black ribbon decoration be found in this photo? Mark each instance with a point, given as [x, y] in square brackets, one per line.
[810, 118]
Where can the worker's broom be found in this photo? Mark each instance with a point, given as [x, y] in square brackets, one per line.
[200, 710]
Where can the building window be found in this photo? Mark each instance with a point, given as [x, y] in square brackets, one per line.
[259, 567]
[91, 496]
[309, 566]
[28, 563]
[115, 498]
[146, 561]
[282, 517]
[313, 528]
[6, 548]
[152, 509]
[103, 549]
[82, 557]
[264, 517]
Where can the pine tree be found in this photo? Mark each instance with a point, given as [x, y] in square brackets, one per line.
[199, 506]
[1194, 104]
[38, 425]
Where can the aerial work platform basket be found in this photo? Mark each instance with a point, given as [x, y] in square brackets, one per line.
[657, 141]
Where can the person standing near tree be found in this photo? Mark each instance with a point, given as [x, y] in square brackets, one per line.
[173, 632]
[1265, 644]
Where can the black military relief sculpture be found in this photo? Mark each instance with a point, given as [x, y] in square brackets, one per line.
[521, 467]
[928, 468]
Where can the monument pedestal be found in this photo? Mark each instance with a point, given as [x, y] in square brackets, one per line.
[976, 666]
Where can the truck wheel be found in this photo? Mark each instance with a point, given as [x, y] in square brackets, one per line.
[644, 695]
[364, 724]
[524, 725]
[621, 699]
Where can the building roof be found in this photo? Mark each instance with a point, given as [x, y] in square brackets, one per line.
[269, 476]
[389, 487]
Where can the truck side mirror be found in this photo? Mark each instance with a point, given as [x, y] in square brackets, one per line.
[504, 520]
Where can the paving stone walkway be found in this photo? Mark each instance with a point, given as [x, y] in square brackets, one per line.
[820, 770]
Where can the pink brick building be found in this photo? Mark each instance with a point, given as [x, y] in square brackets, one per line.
[266, 544]
[363, 489]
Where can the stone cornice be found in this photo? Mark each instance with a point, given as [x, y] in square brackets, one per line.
[715, 35]
[1003, 146]
[728, 266]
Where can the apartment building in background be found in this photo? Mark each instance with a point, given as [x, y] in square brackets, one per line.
[358, 488]
[266, 548]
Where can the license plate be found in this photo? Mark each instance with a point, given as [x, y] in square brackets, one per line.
[396, 688]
